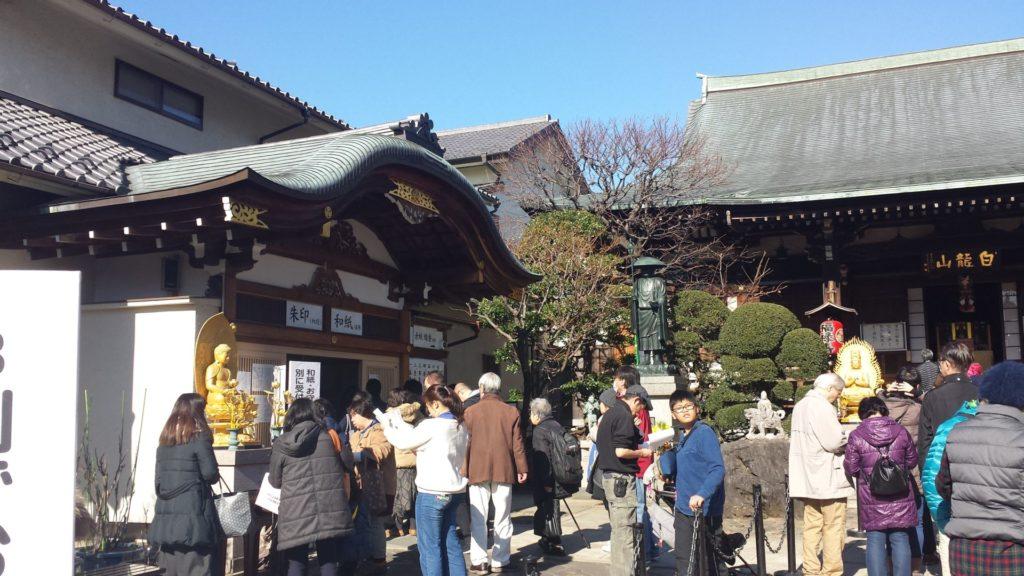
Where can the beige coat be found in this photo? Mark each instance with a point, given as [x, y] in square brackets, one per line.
[816, 451]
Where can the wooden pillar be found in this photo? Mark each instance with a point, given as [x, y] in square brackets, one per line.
[404, 328]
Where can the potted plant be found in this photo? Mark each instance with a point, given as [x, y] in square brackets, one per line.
[106, 486]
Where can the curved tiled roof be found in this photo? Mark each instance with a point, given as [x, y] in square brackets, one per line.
[212, 59]
[324, 166]
[44, 142]
[945, 119]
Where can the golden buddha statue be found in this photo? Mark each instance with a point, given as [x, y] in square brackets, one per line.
[857, 365]
[227, 407]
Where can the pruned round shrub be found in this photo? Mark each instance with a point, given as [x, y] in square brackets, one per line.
[721, 397]
[730, 421]
[699, 312]
[803, 348]
[748, 374]
[756, 330]
[687, 346]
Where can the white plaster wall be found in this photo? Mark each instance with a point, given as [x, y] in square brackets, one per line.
[62, 55]
[465, 361]
[287, 273]
[140, 276]
[20, 260]
[375, 249]
[141, 355]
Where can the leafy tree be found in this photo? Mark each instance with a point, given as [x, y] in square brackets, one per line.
[756, 330]
[580, 299]
[802, 348]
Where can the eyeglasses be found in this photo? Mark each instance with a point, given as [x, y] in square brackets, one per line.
[684, 409]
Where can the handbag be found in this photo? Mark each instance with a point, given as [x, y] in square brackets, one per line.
[371, 480]
[233, 510]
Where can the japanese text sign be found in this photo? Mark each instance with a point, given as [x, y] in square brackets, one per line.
[426, 337]
[963, 261]
[346, 322]
[303, 315]
[38, 378]
[304, 379]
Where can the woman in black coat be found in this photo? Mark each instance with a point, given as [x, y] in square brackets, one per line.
[547, 520]
[308, 465]
[185, 525]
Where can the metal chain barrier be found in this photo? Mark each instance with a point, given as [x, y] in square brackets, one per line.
[782, 539]
[698, 525]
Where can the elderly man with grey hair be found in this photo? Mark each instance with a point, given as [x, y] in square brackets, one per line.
[816, 475]
[495, 461]
[546, 491]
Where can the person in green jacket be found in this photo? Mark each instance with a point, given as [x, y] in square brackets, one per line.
[939, 507]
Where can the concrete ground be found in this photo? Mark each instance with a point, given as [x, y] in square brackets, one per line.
[584, 560]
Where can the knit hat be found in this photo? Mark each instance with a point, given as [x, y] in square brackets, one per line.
[1004, 384]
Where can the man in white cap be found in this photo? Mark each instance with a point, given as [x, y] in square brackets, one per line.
[816, 476]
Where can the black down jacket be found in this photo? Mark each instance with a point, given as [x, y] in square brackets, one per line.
[307, 469]
[184, 514]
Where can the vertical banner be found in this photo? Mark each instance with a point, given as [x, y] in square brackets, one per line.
[38, 387]
[304, 379]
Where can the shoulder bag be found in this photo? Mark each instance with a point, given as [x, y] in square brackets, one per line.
[233, 511]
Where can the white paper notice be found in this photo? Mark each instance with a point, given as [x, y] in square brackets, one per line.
[346, 322]
[304, 379]
[38, 371]
[303, 315]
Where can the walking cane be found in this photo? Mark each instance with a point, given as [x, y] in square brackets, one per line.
[573, 516]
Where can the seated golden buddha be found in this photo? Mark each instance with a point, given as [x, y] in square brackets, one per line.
[857, 366]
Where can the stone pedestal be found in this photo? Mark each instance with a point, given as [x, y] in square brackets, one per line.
[660, 387]
[243, 471]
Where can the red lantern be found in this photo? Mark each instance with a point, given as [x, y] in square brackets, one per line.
[832, 335]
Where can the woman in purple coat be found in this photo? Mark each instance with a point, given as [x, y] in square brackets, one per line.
[887, 519]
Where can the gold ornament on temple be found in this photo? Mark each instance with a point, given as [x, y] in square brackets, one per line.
[857, 365]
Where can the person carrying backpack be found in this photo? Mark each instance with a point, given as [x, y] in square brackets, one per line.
[880, 455]
[556, 474]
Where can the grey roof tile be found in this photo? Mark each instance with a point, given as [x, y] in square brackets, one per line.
[501, 138]
[42, 141]
[950, 118]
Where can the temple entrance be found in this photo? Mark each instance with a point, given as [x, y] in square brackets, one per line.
[339, 378]
[949, 314]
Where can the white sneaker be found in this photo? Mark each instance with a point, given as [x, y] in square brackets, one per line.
[607, 548]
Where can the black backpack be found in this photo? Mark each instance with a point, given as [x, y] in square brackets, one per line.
[566, 465]
[887, 478]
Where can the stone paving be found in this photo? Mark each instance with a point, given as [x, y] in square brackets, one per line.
[592, 561]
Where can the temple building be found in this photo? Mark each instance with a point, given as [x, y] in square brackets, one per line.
[184, 189]
[887, 192]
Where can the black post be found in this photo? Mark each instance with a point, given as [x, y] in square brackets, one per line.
[790, 532]
[759, 531]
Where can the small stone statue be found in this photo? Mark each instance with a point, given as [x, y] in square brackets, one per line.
[764, 418]
[591, 409]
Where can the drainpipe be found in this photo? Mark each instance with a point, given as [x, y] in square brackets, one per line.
[303, 122]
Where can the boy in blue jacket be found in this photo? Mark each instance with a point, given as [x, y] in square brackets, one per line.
[696, 462]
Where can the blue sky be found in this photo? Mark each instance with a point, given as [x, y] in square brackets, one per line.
[473, 62]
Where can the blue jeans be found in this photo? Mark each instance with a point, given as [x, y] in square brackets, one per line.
[877, 558]
[439, 546]
[642, 516]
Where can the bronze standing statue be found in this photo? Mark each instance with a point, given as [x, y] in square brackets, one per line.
[649, 308]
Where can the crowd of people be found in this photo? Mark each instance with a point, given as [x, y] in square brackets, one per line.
[937, 463]
[935, 466]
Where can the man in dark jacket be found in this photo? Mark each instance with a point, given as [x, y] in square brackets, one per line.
[467, 394]
[928, 370]
[943, 402]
